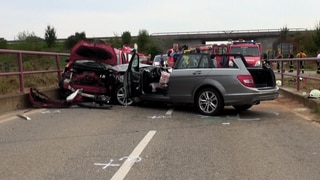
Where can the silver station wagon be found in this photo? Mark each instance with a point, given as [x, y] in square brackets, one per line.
[197, 79]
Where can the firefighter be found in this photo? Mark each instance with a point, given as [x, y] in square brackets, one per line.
[290, 62]
[265, 59]
[279, 56]
[301, 54]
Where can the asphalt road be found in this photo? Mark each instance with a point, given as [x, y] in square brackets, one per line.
[274, 140]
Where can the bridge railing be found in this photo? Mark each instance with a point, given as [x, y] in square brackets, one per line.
[21, 72]
[225, 32]
[298, 75]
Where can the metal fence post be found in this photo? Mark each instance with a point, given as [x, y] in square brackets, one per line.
[21, 80]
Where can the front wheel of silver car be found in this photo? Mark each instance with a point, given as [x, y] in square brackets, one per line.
[209, 102]
[120, 97]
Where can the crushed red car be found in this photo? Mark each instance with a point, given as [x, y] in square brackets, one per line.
[90, 68]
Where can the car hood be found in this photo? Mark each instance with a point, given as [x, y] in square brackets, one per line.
[97, 51]
[124, 67]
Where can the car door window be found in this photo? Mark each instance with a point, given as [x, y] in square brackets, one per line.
[204, 63]
[189, 61]
[194, 61]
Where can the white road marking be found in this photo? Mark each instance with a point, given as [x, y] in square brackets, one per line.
[126, 166]
[13, 115]
[169, 112]
[105, 165]
[156, 117]
[24, 117]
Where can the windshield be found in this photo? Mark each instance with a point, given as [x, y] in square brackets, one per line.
[245, 51]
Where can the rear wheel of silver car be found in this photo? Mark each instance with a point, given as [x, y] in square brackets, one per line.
[209, 102]
[120, 97]
[242, 107]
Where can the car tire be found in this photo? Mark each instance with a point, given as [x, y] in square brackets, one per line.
[242, 107]
[119, 96]
[209, 102]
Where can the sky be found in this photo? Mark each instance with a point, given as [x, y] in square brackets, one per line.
[107, 18]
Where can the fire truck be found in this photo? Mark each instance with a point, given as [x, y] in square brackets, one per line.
[127, 51]
[251, 50]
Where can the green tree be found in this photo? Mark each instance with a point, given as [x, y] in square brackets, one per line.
[126, 38]
[74, 39]
[308, 44]
[316, 36]
[50, 36]
[143, 40]
[154, 47]
[299, 40]
[28, 41]
[25, 35]
[115, 41]
[284, 34]
[3, 43]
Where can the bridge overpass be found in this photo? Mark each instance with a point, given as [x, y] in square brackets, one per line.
[265, 36]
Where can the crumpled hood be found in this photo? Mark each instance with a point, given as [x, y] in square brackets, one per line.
[97, 51]
[124, 67]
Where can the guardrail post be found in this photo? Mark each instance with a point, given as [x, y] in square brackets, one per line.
[21, 81]
[281, 73]
[58, 66]
[298, 75]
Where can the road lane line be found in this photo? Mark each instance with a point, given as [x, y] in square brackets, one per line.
[169, 112]
[126, 166]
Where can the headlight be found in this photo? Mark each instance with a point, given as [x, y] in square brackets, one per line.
[258, 63]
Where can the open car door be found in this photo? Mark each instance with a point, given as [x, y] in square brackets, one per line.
[131, 82]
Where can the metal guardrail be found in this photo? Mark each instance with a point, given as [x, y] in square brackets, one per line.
[21, 72]
[298, 74]
[58, 70]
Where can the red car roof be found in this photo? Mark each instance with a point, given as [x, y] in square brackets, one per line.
[97, 51]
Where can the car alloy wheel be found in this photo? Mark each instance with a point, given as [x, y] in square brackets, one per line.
[121, 98]
[209, 102]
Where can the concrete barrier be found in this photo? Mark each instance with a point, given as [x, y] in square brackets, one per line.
[313, 104]
[21, 101]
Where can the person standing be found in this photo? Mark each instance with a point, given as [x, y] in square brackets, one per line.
[301, 54]
[161, 60]
[279, 56]
[318, 63]
[176, 52]
[290, 62]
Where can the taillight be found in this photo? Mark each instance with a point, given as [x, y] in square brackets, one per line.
[246, 80]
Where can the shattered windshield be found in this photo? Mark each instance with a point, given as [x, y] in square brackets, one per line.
[245, 51]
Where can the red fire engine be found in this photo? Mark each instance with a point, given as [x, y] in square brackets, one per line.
[249, 49]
